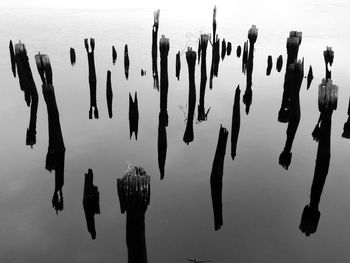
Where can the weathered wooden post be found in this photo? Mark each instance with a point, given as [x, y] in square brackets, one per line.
[229, 48]
[92, 76]
[134, 193]
[91, 202]
[109, 94]
[72, 56]
[56, 150]
[279, 63]
[13, 59]
[202, 114]
[27, 85]
[114, 55]
[327, 99]
[126, 62]
[310, 77]
[223, 49]
[133, 115]
[155, 49]
[163, 114]
[295, 75]
[328, 55]
[248, 94]
[191, 62]
[216, 178]
[293, 42]
[236, 122]
[178, 65]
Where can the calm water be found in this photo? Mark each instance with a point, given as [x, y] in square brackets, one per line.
[262, 202]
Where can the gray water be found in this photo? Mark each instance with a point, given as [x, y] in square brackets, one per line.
[262, 202]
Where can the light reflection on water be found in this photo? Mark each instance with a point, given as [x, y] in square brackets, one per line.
[262, 202]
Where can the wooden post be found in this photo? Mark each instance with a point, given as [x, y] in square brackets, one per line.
[216, 178]
[310, 77]
[178, 65]
[269, 65]
[191, 62]
[109, 94]
[114, 55]
[202, 114]
[229, 48]
[155, 49]
[56, 150]
[328, 55]
[72, 56]
[223, 49]
[13, 59]
[236, 122]
[27, 85]
[279, 63]
[134, 197]
[126, 61]
[92, 77]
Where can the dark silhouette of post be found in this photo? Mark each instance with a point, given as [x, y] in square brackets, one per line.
[346, 129]
[269, 65]
[223, 49]
[279, 63]
[248, 94]
[236, 122]
[202, 113]
[13, 59]
[310, 77]
[91, 202]
[109, 94]
[134, 197]
[214, 69]
[114, 55]
[178, 65]
[155, 49]
[191, 63]
[293, 43]
[244, 56]
[163, 114]
[126, 62]
[216, 178]
[229, 48]
[72, 56]
[238, 51]
[328, 56]
[327, 103]
[92, 76]
[133, 115]
[56, 150]
[294, 78]
[27, 85]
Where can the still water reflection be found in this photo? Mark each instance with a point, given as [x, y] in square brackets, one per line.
[255, 205]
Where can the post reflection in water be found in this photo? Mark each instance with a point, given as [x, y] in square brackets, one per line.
[191, 62]
[134, 197]
[109, 94]
[13, 59]
[216, 177]
[126, 62]
[91, 202]
[327, 103]
[163, 114]
[133, 115]
[92, 76]
[56, 150]
[27, 85]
